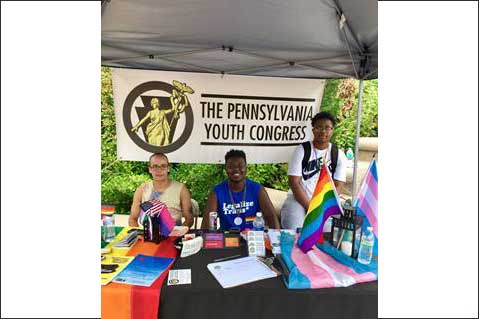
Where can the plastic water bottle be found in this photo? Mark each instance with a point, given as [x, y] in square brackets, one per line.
[349, 154]
[366, 248]
[258, 223]
[357, 241]
[213, 221]
[108, 228]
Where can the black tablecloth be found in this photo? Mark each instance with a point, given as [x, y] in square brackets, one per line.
[269, 298]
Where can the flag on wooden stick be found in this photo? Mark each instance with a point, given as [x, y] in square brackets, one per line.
[324, 203]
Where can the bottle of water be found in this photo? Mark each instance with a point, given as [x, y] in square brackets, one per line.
[108, 228]
[349, 154]
[357, 241]
[258, 223]
[366, 248]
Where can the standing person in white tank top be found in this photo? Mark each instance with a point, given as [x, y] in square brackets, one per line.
[174, 194]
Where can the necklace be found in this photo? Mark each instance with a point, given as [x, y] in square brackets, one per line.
[233, 201]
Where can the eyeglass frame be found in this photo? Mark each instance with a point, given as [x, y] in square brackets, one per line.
[162, 167]
[324, 129]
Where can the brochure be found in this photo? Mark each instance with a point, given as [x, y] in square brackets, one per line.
[128, 240]
[143, 270]
[231, 241]
[191, 247]
[112, 266]
[213, 240]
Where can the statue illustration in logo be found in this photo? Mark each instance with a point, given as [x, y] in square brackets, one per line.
[160, 130]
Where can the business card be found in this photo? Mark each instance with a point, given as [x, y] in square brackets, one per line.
[179, 277]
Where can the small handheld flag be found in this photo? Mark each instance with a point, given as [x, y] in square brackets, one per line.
[367, 201]
[154, 211]
[323, 204]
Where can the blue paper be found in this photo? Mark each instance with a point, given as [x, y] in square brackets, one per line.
[143, 270]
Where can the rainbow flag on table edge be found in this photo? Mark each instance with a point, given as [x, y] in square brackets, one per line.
[323, 204]
[120, 301]
[366, 202]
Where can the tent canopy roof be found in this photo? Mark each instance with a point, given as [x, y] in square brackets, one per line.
[302, 38]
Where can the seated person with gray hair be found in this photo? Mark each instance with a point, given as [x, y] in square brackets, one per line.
[174, 194]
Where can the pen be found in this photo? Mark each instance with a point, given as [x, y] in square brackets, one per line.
[226, 258]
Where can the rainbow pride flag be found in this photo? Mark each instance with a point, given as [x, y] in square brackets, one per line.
[107, 210]
[120, 301]
[323, 204]
[250, 219]
[366, 202]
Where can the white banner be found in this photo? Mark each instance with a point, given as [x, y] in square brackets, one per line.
[197, 118]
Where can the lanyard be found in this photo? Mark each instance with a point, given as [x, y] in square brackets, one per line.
[233, 201]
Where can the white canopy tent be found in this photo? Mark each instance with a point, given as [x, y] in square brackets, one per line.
[322, 39]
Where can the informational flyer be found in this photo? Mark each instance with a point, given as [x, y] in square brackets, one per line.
[191, 247]
[179, 277]
[143, 270]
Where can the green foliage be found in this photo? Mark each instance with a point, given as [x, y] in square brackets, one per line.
[120, 179]
[331, 103]
[119, 189]
[199, 179]
[270, 175]
[345, 130]
[369, 115]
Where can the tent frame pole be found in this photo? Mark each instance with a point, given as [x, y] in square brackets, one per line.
[160, 55]
[322, 69]
[356, 148]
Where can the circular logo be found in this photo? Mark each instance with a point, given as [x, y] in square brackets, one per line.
[158, 116]
[238, 221]
[174, 281]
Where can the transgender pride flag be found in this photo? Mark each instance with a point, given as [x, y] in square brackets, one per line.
[323, 204]
[323, 266]
[366, 202]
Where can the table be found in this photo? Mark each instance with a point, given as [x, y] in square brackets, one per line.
[269, 298]
[135, 302]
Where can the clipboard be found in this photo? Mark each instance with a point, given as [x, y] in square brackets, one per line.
[240, 271]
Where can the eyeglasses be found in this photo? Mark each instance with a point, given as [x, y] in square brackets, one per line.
[163, 166]
[323, 128]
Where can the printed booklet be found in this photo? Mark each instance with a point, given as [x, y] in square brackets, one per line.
[143, 270]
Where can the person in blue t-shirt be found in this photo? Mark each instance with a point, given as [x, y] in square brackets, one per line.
[238, 199]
